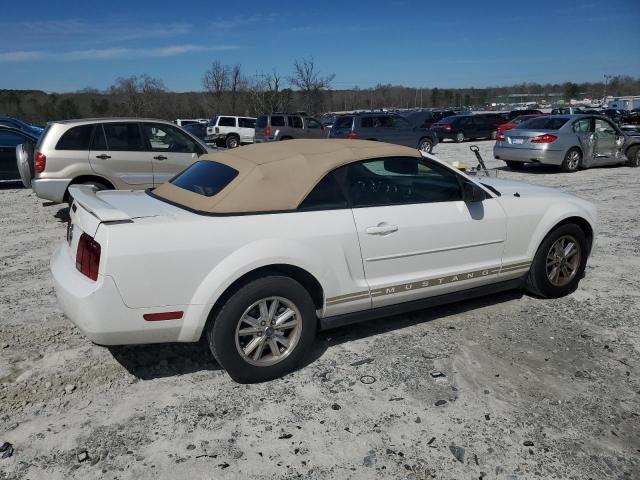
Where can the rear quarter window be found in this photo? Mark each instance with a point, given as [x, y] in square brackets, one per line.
[548, 123]
[76, 138]
[205, 177]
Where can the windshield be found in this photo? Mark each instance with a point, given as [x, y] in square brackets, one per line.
[544, 123]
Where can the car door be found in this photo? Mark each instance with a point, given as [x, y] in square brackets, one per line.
[404, 132]
[314, 128]
[9, 140]
[607, 148]
[119, 154]
[417, 237]
[482, 128]
[171, 151]
[247, 129]
[384, 129]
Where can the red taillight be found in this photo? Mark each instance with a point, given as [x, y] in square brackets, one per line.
[546, 138]
[88, 256]
[41, 162]
[267, 131]
[352, 135]
[446, 126]
[500, 137]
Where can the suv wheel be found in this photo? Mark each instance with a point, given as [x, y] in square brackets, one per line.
[425, 145]
[459, 137]
[232, 141]
[263, 329]
[494, 135]
[559, 263]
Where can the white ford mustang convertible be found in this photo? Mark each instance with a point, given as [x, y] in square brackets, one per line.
[259, 247]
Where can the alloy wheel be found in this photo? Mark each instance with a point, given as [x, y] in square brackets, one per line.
[573, 160]
[563, 260]
[268, 331]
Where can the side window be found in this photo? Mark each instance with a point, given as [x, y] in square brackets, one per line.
[582, 126]
[277, 121]
[326, 195]
[398, 180]
[227, 122]
[465, 121]
[311, 123]
[123, 137]
[400, 122]
[604, 128]
[76, 138]
[247, 123]
[164, 138]
[367, 122]
[11, 139]
[383, 122]
[479, 121]
[98, 142]
[295, 122]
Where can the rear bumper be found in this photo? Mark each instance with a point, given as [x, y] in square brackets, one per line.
[52, 189]
[549, 157]
[98, 310]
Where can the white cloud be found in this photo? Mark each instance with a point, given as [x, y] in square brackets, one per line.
[107, 53]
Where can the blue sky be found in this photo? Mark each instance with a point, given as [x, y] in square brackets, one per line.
[64, 46]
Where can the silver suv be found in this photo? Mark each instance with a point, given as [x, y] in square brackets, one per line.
[109, 153]
[287, 126]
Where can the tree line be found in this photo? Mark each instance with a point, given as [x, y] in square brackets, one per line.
[228, 90]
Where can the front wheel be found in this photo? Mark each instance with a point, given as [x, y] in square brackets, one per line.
[559, 262]
[232, 141]
[459, 138]
[633, 156]
[263, 329]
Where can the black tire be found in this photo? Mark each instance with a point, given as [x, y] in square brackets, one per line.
[459, 138]
[538, 281]
[425, 145]
[572, 160]
[285, 138]
[221, 330]
[514, 165]
[633, 156]
[232, 141]
[493, 135]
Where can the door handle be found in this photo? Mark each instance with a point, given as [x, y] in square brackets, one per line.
[103, 156]
[381, 229]
[160, 157]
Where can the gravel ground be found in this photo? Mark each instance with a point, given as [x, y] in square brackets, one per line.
[528, 388]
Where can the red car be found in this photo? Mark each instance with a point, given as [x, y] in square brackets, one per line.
[514, 122]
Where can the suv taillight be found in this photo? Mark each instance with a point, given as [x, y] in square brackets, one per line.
[88, 256]
[267, 131]
[352, 135]
[546, 138]
[40, 161]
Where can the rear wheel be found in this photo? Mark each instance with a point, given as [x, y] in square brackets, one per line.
[263, 329]
[459, 138]
[572, 160]
[559, 262]
[633, 156]
[232, 141]
[494, 135]
[514, 165]
[425, 145]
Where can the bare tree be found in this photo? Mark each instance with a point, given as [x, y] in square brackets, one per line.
[141, 95]
[310, 83]
[215, 82]
[237, 84]
[266, 93]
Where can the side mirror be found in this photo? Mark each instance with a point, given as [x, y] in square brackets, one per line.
[471, 193]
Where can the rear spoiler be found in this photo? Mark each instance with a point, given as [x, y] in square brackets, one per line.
[85, 195]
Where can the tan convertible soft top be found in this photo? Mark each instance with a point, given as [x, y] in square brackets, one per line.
[278, 176]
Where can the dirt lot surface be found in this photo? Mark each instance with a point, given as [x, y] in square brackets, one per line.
[530, 388]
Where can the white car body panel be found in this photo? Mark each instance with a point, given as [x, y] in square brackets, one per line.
[158, 257]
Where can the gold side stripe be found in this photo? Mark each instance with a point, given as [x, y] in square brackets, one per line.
[432, 282]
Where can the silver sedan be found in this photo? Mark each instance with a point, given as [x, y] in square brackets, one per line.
[568, 141]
